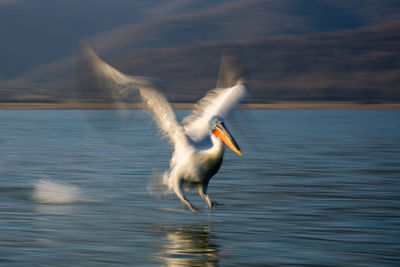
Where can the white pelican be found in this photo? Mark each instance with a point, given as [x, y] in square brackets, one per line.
[199, 141]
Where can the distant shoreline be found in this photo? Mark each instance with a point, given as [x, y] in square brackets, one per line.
[278, 105]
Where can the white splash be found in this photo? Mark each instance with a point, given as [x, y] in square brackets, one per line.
[50, 192]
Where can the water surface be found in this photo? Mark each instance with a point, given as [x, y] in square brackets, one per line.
[315, 187]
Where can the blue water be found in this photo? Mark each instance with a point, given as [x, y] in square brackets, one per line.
[313, 187]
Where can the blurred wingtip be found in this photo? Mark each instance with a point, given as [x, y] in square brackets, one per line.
[230, 70]
[85, 46]
[95, 80]
[87, 52]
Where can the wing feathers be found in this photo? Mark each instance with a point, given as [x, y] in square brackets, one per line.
[217, 102]
[122, 84]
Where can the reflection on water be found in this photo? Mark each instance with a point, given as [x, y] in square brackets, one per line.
[191, 245]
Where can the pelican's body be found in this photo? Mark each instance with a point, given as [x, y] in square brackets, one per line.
[195, 172]
[196, 166]
[198, 142]
[204, 164]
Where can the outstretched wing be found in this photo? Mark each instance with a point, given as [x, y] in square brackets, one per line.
[217, 102]
[122, 84]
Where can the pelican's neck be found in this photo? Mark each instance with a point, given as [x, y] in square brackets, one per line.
[218, 145]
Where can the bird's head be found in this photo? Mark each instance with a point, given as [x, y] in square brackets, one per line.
[220, 131]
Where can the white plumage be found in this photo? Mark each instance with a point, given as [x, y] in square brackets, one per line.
[191, 165]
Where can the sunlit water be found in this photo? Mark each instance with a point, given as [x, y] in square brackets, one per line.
[312, 187]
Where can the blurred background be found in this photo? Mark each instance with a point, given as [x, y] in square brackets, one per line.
[313, 187]
[291, 50]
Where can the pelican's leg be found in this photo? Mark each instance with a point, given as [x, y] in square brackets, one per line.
[178, 191]
[203, 194]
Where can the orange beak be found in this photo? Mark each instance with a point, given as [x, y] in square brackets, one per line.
[222, 133]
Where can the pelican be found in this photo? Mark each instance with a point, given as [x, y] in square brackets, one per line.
[199, 140]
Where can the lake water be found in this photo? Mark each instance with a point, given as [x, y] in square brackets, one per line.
[313, 187]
